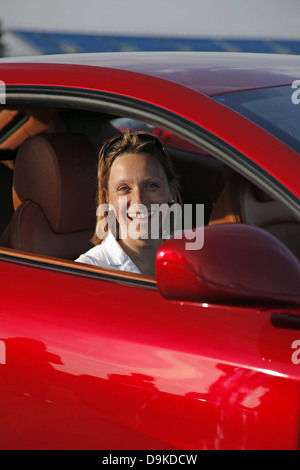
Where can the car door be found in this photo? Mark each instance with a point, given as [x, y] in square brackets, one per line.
[93, 359]
[106, 362]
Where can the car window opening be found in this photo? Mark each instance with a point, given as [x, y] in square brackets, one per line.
[76, 137]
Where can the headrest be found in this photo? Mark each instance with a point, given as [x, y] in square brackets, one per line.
[89, 123]
[255, 207]
[229, 174]
[59, 173]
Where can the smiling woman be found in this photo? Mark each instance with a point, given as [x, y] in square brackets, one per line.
[135, 178]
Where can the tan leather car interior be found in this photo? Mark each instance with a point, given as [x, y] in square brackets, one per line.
[243, 202]
[55, 181]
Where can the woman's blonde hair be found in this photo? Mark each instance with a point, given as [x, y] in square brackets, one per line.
[129, 142]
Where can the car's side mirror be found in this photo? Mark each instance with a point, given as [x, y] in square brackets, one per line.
[237, 264]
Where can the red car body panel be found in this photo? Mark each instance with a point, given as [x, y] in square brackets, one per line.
[101, 361]
[109, 375]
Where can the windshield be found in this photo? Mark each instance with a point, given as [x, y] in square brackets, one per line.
[275, 109]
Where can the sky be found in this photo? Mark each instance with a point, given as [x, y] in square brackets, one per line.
[192, 18]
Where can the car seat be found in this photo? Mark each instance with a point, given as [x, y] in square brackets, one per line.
[242, 202]
[55, 181]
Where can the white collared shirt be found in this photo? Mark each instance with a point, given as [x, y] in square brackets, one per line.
[109, 254]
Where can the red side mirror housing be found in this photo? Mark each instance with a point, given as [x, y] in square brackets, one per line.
[237, 264]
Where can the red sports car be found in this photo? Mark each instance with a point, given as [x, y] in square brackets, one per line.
[206, 354]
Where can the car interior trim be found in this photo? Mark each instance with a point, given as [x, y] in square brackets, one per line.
[69, 267]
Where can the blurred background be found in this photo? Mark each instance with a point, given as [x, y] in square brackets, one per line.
[30, 27]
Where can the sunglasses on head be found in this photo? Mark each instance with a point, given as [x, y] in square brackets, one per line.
[147, 138]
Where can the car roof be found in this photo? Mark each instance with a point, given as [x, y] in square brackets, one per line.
[206, 72]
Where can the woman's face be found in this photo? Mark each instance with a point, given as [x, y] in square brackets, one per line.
[137, 182]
